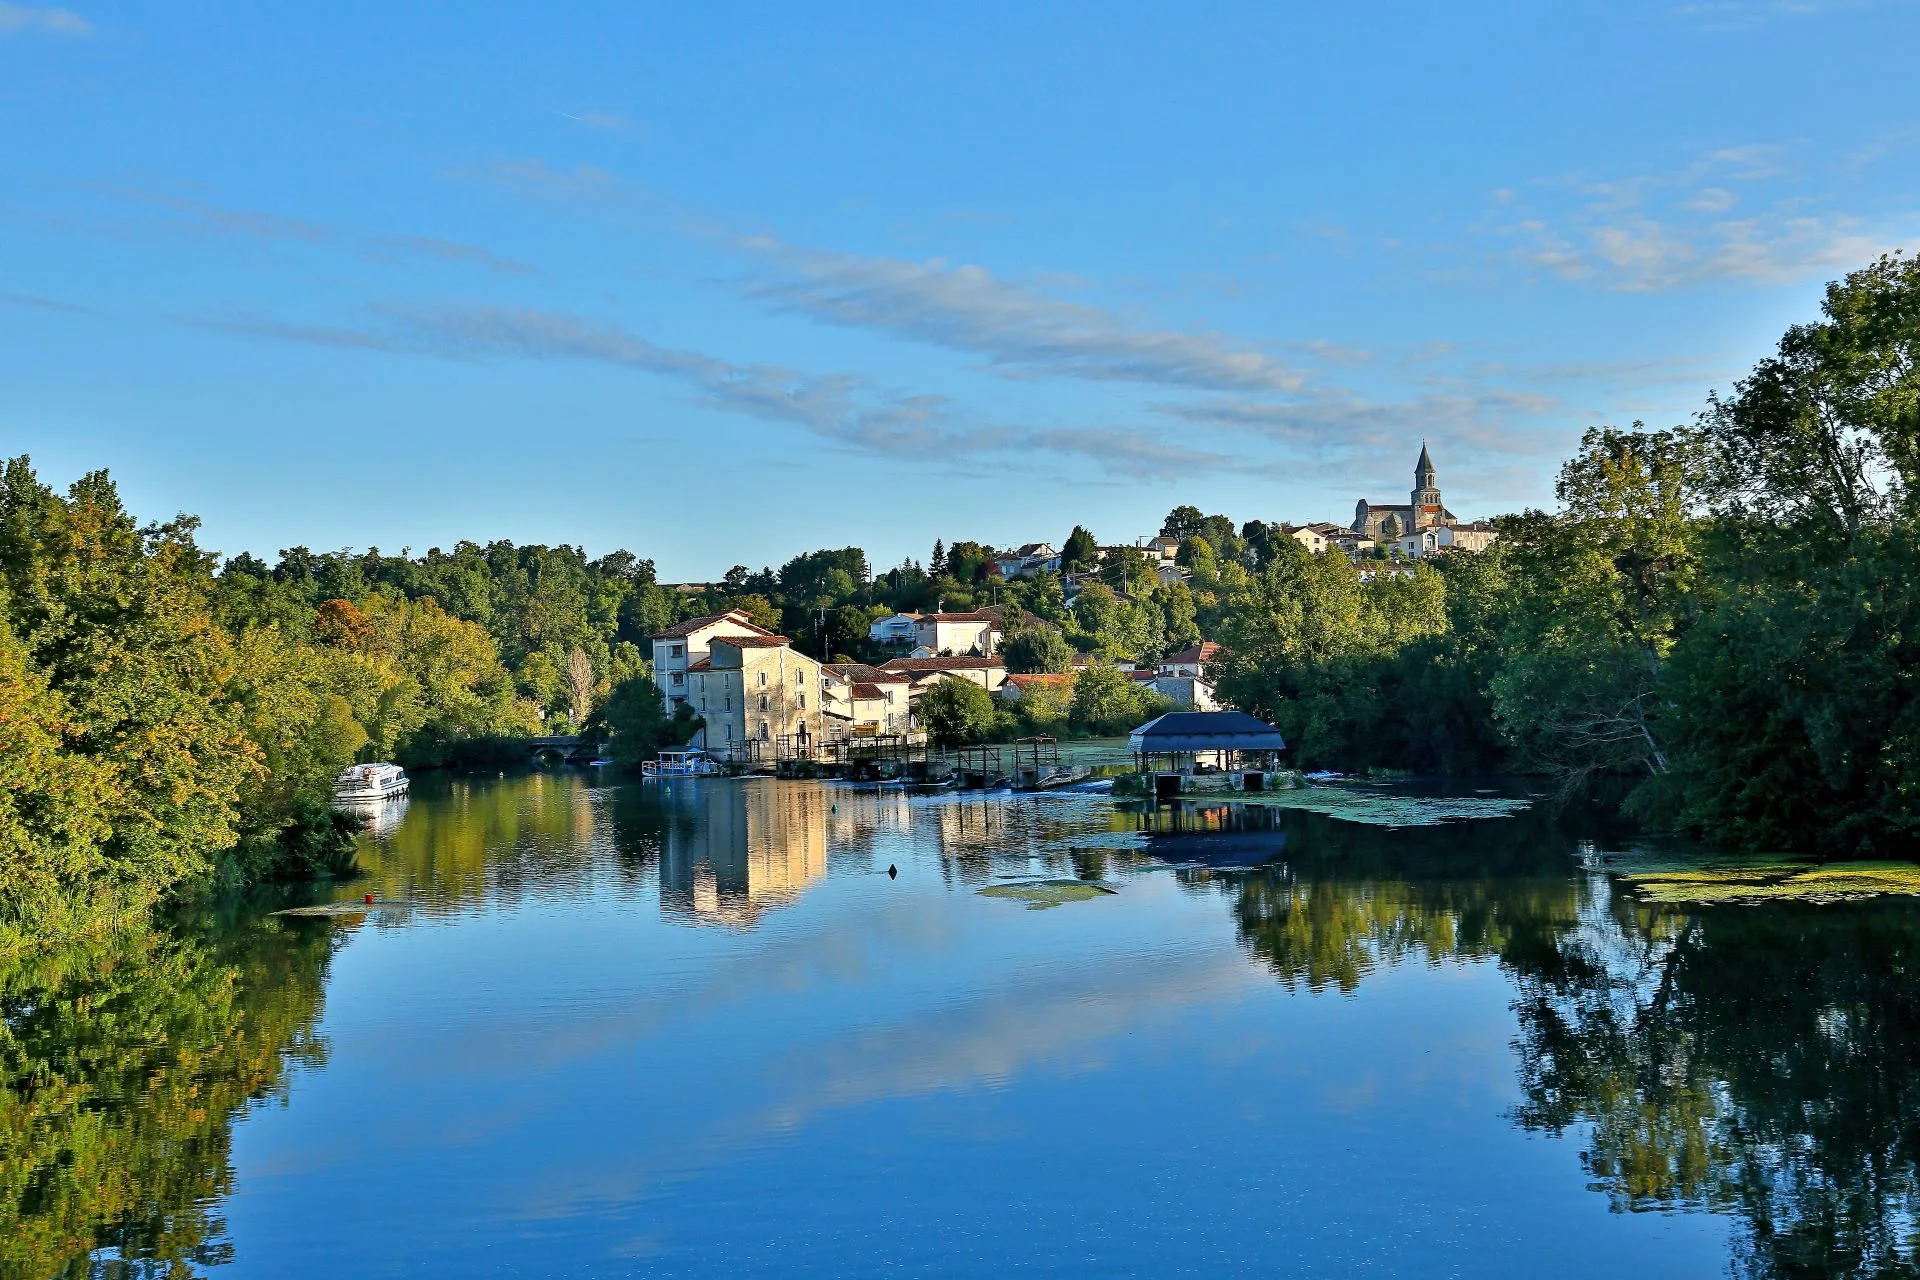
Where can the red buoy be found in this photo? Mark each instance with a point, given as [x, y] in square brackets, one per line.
[369, 899]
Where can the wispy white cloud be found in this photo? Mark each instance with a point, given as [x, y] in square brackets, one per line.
[1019, 329]
[187, 216]
[1344, 438]
[1733, 15]
[445, 251]
[1667, 230]
[18, 19]
[35, 303]
[843, 408]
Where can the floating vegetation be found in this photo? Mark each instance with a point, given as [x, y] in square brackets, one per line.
[341, 908]
[1774, 881]
[1041, 894]
[1383, 808]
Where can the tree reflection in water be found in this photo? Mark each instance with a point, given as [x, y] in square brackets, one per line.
[1754, 1059]
[127, 1061]
[1760, 1061]
[1350, 899]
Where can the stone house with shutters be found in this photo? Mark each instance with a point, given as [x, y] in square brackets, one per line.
[860, 700]
[678, 649]
[760, 697]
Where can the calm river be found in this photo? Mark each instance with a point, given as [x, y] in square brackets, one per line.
[631, 1029]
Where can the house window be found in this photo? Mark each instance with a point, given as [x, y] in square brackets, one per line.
[674, 651]
[763, 702]
[679, 678]
[766, 734]
[763, 679]
[799, 679]
[889, 697]
[803, 702]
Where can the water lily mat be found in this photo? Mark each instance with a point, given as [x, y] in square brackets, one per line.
[1042, 894]
[1379, 807]
[1775, 882]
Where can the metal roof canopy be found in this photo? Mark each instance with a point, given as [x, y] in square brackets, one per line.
[1188, 731]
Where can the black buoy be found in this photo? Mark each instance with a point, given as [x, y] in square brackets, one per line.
[892, 871]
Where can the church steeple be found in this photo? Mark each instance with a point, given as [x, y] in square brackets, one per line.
[1427, 507]
[1424, 476]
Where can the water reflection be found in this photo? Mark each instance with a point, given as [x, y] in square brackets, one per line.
[127, 1061]
[1757, 1062]
[378, 817]
[755, 846]
[1220, 835]
[1761, 1061]
[1349, 900]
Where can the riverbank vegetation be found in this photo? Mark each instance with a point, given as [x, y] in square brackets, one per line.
[1719, 620]
[1723, 619]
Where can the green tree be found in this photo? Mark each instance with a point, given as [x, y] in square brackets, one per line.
[1309, 645]
[120, 658]
[1081, 553]
[955, 712]
[967, 561]
[1106, 700]
[1126, 569]
[1037, 650]
[1180, 626]
[1792, 712]
[638, 724]
[1182, 522]
[1602, 592]
[760, 611]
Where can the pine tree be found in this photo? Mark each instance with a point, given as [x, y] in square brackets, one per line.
[938, 565]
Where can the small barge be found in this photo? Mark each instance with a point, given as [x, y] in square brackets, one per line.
[370, 783]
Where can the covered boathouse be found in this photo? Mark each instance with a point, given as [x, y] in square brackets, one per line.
[1226, 747]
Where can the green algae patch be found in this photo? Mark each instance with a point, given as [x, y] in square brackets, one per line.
[1775, 881]
[1042, 894]
[1386, 808]
[342, 908]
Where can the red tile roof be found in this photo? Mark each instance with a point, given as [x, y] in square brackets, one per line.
[764, 640]
[692, 625]
[940, 664]
[1204, 653]
[864, 692]
[860, 672]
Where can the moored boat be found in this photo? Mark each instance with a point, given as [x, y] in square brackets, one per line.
[691, 763]
[362, 783]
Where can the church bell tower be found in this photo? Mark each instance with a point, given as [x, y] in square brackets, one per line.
[1427, 508]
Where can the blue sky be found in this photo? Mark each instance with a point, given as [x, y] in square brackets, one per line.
[720, 283]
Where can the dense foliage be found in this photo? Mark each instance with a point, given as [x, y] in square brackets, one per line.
[1724, 617]
[1721, 617]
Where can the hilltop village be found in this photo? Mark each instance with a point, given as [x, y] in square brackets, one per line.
[1051, 615]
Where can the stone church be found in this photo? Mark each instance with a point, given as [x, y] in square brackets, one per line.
[1424, 509]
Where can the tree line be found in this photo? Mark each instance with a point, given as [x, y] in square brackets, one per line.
[1719, 618]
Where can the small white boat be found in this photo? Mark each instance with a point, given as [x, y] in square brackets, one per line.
[365, 783]
[680, 764]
